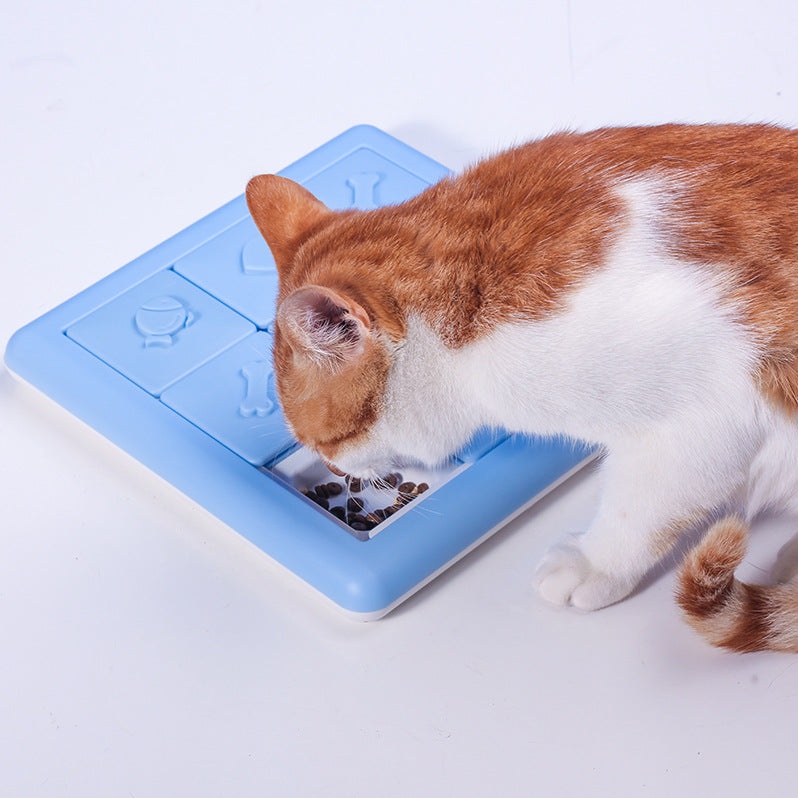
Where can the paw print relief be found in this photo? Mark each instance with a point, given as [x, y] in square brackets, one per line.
[159, 319]
[363, 185]
[259, 397]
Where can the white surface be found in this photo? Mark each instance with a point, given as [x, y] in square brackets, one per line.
[146, 651]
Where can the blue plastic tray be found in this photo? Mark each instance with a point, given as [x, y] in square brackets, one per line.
[170, 358]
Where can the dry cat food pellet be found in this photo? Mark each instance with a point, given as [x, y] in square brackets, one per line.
[392, 480]
[360, 532]
[355, 484]
[326, 490]
[354, 513]
[320, 500]
[354, 504]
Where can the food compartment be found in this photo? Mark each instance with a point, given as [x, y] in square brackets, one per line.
[363, 507]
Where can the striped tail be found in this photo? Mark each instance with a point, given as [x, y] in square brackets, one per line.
[730, 613]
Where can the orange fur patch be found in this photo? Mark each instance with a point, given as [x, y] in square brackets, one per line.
[512, 236]
[730, 613]
[328, 407]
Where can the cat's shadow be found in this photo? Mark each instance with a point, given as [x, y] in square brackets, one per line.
[786, 565]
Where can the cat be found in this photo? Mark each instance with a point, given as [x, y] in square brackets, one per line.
[632, 287]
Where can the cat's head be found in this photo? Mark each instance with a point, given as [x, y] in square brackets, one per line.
[337, 326]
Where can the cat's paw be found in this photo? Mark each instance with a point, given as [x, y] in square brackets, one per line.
[565, 576]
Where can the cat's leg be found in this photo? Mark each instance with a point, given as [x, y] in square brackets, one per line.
[655, 488]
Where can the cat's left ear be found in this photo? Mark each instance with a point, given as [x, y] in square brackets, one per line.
[283, 211]
[324, 325]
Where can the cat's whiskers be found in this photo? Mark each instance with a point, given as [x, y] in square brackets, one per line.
[379, 483]
[424, 510]
[267, 435]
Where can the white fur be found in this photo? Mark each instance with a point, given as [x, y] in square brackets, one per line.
[648, 360]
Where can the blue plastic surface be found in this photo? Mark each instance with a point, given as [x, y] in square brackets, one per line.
[236, 267]
[170, 358]
[233, 399]
[481, 444]
[159, 331]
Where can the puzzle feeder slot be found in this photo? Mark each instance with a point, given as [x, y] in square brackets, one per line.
[364, 508]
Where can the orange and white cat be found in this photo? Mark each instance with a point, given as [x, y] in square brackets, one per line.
[632, 287]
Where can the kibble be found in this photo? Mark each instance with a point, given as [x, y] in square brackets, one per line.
[354, 504]
[354, 513]
[355, 484]
[360, 531]
[392, 480]
[320, 500]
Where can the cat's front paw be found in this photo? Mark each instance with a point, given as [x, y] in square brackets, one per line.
[565, 576]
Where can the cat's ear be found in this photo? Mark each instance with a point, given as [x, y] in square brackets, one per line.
[283, 211]
[323, 325]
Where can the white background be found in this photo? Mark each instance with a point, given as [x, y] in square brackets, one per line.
[145, 650]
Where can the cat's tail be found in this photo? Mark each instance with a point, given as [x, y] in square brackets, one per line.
[730, 613]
